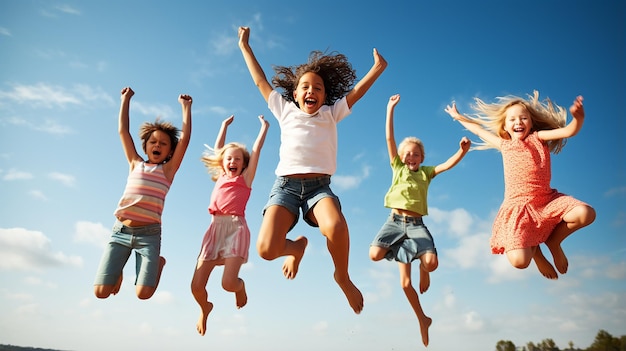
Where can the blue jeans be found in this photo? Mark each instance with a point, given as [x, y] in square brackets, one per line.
[300, 193]
[145, 240]
[407, 238]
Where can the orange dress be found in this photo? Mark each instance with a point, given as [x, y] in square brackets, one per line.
[531, 208]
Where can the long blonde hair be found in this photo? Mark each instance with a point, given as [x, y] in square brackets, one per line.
[545, 115]
[213, 159]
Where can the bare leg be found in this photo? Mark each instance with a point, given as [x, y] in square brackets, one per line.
[231, 281]
[118, 285]
[428, 263]
[198, 289]
[332, 224]
[411, 295]
[292, 262]
[545, 268]
[273, 243]
[145, 292]
[578, 217]
[520, 258]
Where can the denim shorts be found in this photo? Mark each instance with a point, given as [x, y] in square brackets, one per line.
[407, 238]
[145, 240]
[300, 193]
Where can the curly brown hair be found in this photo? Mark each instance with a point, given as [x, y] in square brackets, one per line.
[333, 68]
[147, 128]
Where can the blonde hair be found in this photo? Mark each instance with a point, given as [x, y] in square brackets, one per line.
[545, 115]
[213, 159]
[411, 140]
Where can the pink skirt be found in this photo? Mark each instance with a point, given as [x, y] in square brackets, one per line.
[523, 223]
[228, 236]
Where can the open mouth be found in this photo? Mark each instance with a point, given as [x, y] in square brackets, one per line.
[156, 153]
[310, 102]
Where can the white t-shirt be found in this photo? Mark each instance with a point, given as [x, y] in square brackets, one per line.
[308, 143]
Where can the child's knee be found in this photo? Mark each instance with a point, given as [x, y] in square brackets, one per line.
[101, 291]
[377, 253]
[145, 292]
[429, 261]
[231, 284]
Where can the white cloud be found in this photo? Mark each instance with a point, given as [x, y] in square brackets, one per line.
[38, 194]
[27, 250]
[349, 182]
[13, 174]
[5, 32]
[65, 179]
[473, 321]
[49, 96]
[48, 126]
[92, 233]
[158, 110]
[68, 9]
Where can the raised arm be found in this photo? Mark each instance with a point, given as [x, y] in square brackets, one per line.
[472, 126]
[464, 146]
[258, 76]
[572, 128]
[123, 128]
[221, 136]
[250, 171]
[364, 84]
[171, 167]
[389, 133]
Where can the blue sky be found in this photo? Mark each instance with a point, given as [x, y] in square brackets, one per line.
[62, 169]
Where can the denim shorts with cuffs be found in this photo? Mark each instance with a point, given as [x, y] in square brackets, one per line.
[297, 194]
[407, 238]
[145, 240]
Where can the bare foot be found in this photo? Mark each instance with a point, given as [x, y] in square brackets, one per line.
[424, 329]
[545, 268]
[241, 298]
[118, 285]
[292, 262]
[204, 314]
[424, 280]
[560, 260]
[353, 294]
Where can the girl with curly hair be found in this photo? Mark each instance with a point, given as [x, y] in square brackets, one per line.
[316, 96]
[526, 131]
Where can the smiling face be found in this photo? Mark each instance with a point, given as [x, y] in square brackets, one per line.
[158, 147]
[310, 93]
[518, 122]
[233, 162]
[412, 156]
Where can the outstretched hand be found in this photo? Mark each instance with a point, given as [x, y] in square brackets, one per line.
[185, 99]
[244, 35]
[465, 143]
[264, 123]
[127, 93]
[577, 109]
[393, 100]
[226, 122]
[379, 59]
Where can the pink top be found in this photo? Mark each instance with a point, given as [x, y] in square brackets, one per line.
[230, 196]
[144, 195]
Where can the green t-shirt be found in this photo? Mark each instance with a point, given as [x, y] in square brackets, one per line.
[409, 190]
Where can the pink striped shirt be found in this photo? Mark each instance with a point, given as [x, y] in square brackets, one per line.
[230, 196]
[144, 194]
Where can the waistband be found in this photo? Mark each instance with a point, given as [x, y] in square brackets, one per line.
[325, 179]
[150, 229]
[406, 219]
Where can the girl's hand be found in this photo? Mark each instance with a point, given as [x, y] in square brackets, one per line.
[465, 143]
[577, 109]
[127, 93]
[228, 120]
[264, 123]
[185, 100]
[453, 112]
[393, 100]
[244, 35]
[379, 59]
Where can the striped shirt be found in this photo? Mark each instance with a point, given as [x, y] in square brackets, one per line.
[144, 194]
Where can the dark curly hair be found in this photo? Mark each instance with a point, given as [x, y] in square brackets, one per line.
[334, 68]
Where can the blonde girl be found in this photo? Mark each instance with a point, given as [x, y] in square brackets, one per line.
[526, 131]
[227, 240]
